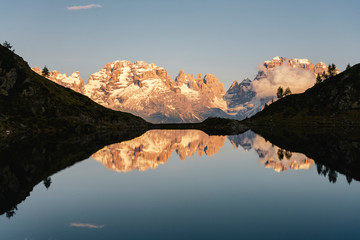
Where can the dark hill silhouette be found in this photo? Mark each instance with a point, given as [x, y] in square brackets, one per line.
[32, 103]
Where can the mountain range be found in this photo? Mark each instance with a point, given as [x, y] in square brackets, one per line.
[148, 91]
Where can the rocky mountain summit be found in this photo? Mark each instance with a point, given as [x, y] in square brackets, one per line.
[148, 91]
[304, 64]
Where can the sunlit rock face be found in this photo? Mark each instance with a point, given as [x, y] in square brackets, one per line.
[74, 81]
[304, 64]
[275, 62]
[148, 91]
[155, 147]
[320, 68]
[270, 155]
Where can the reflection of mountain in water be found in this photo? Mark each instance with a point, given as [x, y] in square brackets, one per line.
[335, 150]
[245, 140]
[270, 155]
[155, 147]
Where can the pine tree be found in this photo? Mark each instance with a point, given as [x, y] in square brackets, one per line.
[287, 92]
[332, 70]
[324, 76]
[288, 155]
[47, 182]
[8, 46]
[280, 154]
[318, 79]
[280, 92]
[348, 66]
[45, 71]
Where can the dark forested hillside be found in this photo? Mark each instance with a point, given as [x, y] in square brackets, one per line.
[32, 103]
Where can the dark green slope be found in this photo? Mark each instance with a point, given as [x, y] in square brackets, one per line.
[334, 102]
[31, 103]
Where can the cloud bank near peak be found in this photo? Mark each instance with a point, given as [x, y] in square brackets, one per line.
[298, 80]
[83, 7]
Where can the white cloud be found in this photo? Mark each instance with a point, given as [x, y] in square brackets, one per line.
[298, 80]
[84, 7]
[86, 225]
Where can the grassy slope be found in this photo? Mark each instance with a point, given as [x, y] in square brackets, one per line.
[336, 101]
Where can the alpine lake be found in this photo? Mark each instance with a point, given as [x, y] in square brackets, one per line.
[181, 184]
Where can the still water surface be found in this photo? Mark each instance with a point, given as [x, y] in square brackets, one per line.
[184, 184]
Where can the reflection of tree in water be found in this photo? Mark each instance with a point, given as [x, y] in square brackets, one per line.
[349, 179]
[284, 153]
[288, 155]
[280, 154]
[47, 182]
[330, 173]
[11, 212]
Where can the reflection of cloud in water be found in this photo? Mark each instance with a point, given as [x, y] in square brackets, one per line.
[155, 147]
[86, 225]
[270, 155]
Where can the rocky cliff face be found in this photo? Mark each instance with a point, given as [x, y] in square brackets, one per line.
[304, 64]
[239, 99]
[154, 148]
[74, 81]
[239, 93]
[320, 68]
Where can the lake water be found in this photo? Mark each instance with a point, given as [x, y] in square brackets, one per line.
[184, 184]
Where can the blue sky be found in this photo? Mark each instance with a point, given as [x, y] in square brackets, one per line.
[226, 38]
